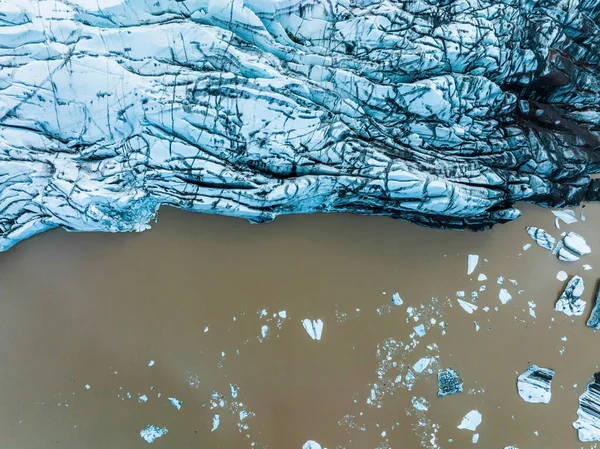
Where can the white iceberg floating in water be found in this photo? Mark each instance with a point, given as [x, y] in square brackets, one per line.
[150, 433]
[562, 276]
[310, 444]
[467, 306]
[314, 328]
[471, 421]
[176, 403]
[576, 244]
[504, 296]
[216, 423]
[570, 302]
[422, 364]
[535, 385]
[472, 262]
[566, 215]
[397, 300]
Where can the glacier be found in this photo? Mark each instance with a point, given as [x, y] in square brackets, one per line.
[444, 113]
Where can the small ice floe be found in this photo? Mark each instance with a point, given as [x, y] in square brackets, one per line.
[582, 216]
[535, 385]
[471, 421]
[176, 403]
[587, 267]
[500, 280]
[594, 319]
[541, 237]
[143, 398]
[233, 390]
[467, 306]
[504, 296]
[475, 438]
[566, 215]
[472, 261]
[449, 382]
[482, 277]
[310, 444]
[151, 433]
[570, 302]
[421, 364]
[526, 246]
[216, 422]
[397, 300]
[420, 404]
[314, 328]
[151, 363]
[588, 413]
[87, 387]
[532, 305]
[562, 276]
[576, 244]
[420, 330]
[264, 332]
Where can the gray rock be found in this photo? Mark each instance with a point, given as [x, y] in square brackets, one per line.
[255, 108]
[570, 302]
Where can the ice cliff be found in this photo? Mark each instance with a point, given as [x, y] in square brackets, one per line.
[440, 112]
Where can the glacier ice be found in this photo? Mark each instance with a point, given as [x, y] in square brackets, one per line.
[252, 108]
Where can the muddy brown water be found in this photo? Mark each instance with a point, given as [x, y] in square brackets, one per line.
[95, 309]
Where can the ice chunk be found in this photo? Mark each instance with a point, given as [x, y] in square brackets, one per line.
[566, 215]
[504, 296]
[535, 385]
[143, 398]
[150, 433]
[562, 276]
[587, 267]
[396, 300]
[588, 413]
[313, 328]
[541, 237]
[420, 330]
[576, 244]
[176, 403]
[567, 256]
[467, 306]
[475, 438]
[310, 444]
[216, 422]
[472, 262]
[594, 319]
[449, 382]
[420, 404]
[422, 364]
[570, 302]
[526, 246]
[471, 421]
[482, 277]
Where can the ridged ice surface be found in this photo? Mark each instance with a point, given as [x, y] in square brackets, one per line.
[588, 421]
[440, 112]
[535, 385]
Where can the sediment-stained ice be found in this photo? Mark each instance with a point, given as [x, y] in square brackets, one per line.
[588, 413]
[594, 319]
[535, 385]
[541, 237]
[570, 302]
[254, 109]
[449, 382]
